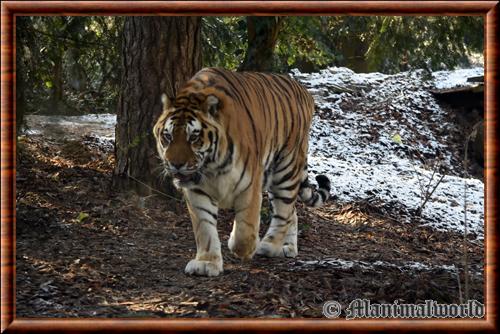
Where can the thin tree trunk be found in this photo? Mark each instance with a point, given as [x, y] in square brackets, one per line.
[20, 88]
[159, 55]
[57, 87]
[262, 37]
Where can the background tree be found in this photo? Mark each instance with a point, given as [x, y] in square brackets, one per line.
[21, 84]
[71, 65]
[159, 55]
[68, 65]
[399, 43]
[262, 36]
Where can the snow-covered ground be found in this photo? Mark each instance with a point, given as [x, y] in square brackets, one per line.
[369, 131]
[447, 79]
[100, 126]
[364, 129]
[411, 266]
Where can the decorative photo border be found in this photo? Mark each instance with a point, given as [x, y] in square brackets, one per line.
[11, 9]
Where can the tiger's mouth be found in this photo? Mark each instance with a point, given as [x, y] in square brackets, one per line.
[187, 178]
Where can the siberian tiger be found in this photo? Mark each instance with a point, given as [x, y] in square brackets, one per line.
[225, 138]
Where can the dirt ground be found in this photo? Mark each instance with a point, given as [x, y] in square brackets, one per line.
[85, 250]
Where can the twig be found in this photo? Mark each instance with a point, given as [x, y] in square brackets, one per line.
[153, 189]
[425, 195]
[429, 195]
[457, 272]
[465, 250]
[420, 184]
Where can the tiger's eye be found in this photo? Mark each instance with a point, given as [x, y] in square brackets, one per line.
[167, 136]
[193, 138]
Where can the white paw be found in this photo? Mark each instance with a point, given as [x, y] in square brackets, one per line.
[270, 250]
[203, 268]
[290, 250]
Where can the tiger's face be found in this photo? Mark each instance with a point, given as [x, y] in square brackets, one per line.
[186, 138]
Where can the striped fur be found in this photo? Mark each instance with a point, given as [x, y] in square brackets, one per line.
[225, 138]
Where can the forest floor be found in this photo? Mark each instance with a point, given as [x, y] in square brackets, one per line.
[86, 250]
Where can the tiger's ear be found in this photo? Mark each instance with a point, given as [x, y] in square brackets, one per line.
[166, 102]
[212, 105]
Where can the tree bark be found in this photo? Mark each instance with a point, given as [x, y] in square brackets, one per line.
[159, 55]
[262, 37]
[56, 98]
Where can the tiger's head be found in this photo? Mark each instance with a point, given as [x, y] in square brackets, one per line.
[187, 137]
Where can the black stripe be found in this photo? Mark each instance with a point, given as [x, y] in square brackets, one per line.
[214, 215]
[266, 163]
[242, 174]
[216, 146]
[282, 109]
[245, 189]
[261, 94]
[211, 138]
[198, 191]
[286, 177]
[250, 116]
[283, 88]
[286, 200]
[292, 160]
[225, 77]
[242, 103]
[208, 221]
[224, 90]
[229, 156]
[291, 187]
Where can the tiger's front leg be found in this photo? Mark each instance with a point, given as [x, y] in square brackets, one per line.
[245, 234]
[203, 212]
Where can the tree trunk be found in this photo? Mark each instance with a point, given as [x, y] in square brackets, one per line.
[262, 37]
[159, 55]
[20, 74]
[56, 98]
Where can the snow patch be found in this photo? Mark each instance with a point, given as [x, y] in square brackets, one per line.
[100, 126]
[352, 142]
[457, 78]
[411, 266]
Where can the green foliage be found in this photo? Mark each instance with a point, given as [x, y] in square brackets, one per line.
[69, 64]
[397, 139]
[82, 216]
[224, 41]
[363, 43]
[302, 44]
[73, 64]
[432, 43]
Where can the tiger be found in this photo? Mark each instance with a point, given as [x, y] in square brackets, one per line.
[226, 138]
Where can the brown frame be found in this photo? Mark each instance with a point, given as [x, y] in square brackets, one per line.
[488, 9]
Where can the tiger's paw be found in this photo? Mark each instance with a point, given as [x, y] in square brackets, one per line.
[270, 250]
[243, 249]
[203, 268]
[290, 250]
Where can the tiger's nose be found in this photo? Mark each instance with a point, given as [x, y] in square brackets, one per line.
[176, 165]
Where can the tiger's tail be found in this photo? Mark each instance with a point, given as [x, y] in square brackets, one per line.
[312, 196]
